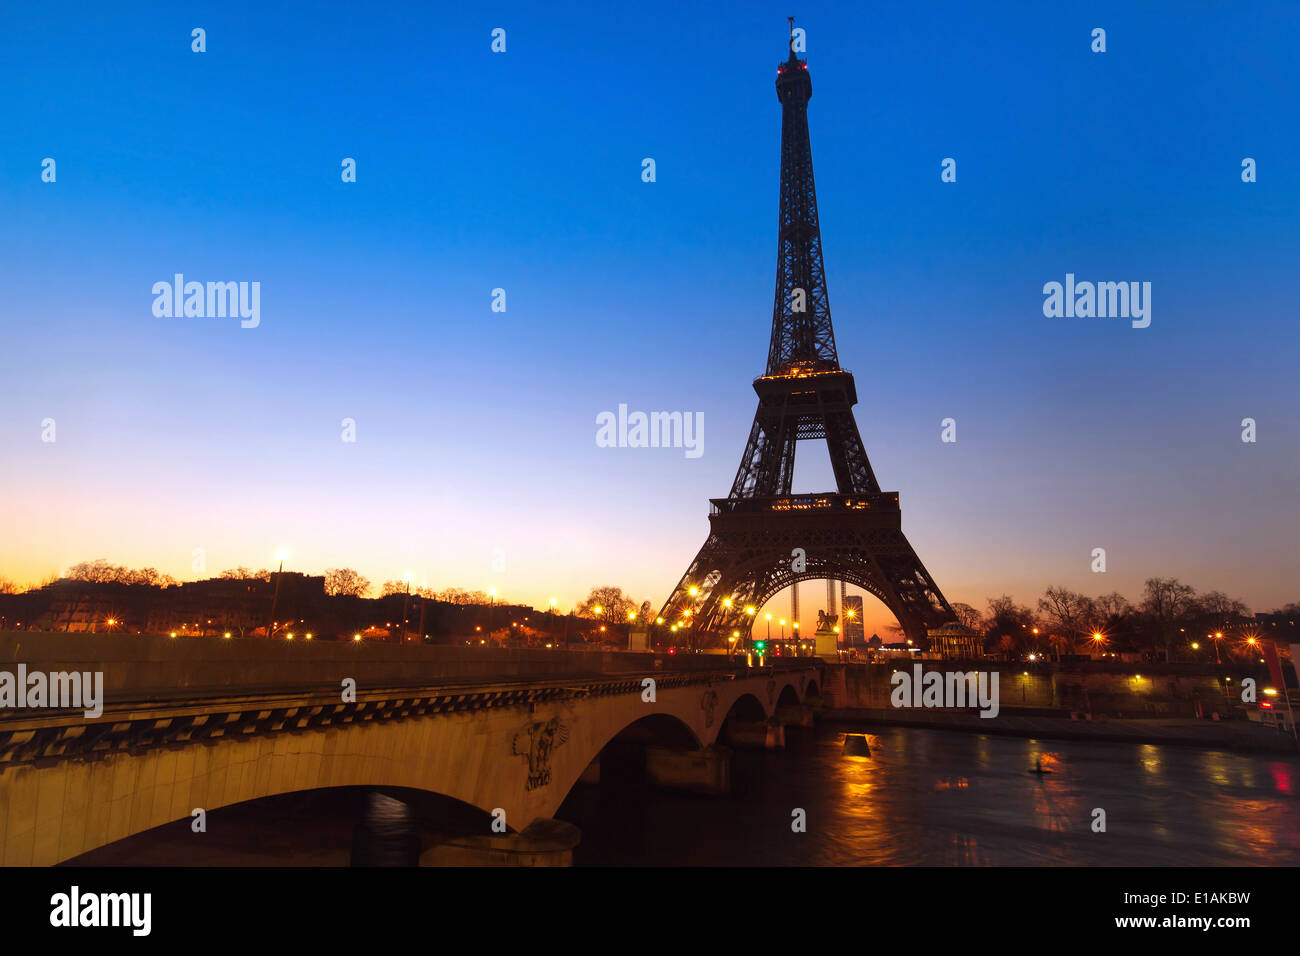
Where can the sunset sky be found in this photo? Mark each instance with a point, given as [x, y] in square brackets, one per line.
[476, 429]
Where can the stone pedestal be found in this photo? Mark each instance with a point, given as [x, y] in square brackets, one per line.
[827, 645]
[541, 843]
[856, 745]
[705, 771]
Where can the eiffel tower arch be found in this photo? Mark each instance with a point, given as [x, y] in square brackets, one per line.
[763, 537]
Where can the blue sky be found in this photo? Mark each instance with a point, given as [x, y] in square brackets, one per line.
[475, 429]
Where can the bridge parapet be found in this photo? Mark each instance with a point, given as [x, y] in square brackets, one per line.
[157, 667]
[221, 694]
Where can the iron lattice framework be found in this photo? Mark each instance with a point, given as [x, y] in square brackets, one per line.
[853, 534]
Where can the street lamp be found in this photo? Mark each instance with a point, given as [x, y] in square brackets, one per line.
[405, 605]
[275, 598]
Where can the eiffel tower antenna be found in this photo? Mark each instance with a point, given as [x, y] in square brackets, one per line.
[760, 530]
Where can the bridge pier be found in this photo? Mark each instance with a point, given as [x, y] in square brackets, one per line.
[541, 843]
[706, 771]
[755, 734]
[795, 715]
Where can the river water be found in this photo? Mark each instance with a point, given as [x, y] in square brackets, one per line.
[947, 798]
[922, 797]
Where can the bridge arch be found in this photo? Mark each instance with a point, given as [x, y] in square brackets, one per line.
[342, 825]
[746, 707]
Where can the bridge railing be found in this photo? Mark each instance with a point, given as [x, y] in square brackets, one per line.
[156, 668]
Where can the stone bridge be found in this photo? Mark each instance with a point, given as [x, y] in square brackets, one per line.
[204, 723]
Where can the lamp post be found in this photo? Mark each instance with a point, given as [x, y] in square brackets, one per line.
[406, 603]
[275, 598]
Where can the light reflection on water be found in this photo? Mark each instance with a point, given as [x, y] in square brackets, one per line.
[939, 798]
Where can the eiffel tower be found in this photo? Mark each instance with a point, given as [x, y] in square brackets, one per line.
[762, 537]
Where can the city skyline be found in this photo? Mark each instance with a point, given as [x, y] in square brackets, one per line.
[476, 430]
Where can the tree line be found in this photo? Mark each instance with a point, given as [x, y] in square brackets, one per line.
[1169, 616]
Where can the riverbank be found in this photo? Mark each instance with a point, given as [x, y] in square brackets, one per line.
[1241, 736]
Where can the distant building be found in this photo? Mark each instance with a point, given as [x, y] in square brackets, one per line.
[898, 649]
[956, 640]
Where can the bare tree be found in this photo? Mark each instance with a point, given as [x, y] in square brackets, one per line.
[967, 616]
[614, 606]
[1068, 613]
[345, 582]
[1006, 618]
[1221, 609]
[1113, 605]
[98, 571]
[1167, 602]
